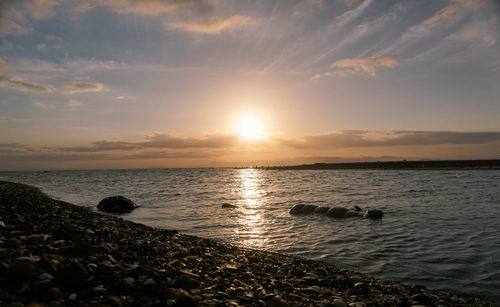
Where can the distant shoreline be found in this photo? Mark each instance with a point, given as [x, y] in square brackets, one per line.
[424, 164]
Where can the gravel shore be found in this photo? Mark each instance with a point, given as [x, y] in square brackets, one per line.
[54, 253]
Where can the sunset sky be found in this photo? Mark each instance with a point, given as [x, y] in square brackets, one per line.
[185, 83]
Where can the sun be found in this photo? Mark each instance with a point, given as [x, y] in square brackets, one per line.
[250, 127]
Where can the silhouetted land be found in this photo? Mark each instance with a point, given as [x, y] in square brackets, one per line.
[450, 164]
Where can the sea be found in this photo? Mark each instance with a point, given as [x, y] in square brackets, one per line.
[440, 229]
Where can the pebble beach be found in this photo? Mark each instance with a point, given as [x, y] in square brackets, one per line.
[53, 253]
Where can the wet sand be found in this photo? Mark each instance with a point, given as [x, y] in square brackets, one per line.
[56, 253]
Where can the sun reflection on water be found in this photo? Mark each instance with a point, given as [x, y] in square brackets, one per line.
[251, 218]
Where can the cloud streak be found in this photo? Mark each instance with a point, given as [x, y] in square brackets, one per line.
[82, 87]
[213, 25]
[24, 86]
[363, 66]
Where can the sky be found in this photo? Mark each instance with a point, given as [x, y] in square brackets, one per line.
[221, 83]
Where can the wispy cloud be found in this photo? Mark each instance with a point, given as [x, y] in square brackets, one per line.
[454, 8]
[363, 138]
[3, 64]
[72, 103]
[306, 7]
[41, 105]
[82, 87]
[25, 86]
[40, 9]
[147, 7]
[363, 66]
[213, 25]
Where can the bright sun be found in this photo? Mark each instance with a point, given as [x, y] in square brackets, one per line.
[250, 127]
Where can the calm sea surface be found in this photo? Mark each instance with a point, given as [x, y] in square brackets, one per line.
[441, 228]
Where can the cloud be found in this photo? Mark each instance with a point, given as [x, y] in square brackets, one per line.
[40, 9]
[362, 138]
[349, 3]
[306, 7]
[454, 8]
[20, 85]
[213, 25]
[82, 87]
[3, 64]
[43, 105]
[13, 14]
[72, 103]
[146, 7]
[9, 26]
[315, 78]
[363, 66]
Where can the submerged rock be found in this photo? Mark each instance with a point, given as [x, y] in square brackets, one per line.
[337, 212]
[116, 204]
[374, 214]
[228, 206]
[303, 209]
[321, 210]
[352, 213]
[308, 209]
[296, 209]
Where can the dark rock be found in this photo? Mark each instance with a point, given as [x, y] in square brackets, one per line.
[228, 206]
[116, 204]
[20, 271]
[423, 299]
[53, 294]
[296, 209]
[321, 210]
[307, 209]
[352, 213]
[185, 300]
[303, 209]
[337, 212]
[373, 214]
[184, 282]
[277, 302]
[72, 277]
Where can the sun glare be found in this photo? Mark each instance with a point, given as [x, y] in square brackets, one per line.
[250, 127]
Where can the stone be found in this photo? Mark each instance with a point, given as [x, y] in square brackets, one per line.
[307, 209]
[337, 212]
[73, 276]
[296, 209]
[277, 302]
[20, 271]
[321, 210]
[228, 206]
[303, 209]
[351, 213]
[53, 294]
[116, 204]
[374, 214]
[184, 282]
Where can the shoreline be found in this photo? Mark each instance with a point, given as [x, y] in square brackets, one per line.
[56, 253]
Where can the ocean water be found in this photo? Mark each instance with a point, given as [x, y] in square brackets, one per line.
[441, 228]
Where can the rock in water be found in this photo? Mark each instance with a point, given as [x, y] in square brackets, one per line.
[337, 212]
[296, 209]
[116, 204]
[352, 213]
[374, 214]
[308, 209]
[321, 210]
[228, 206]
